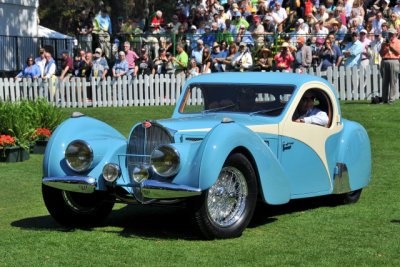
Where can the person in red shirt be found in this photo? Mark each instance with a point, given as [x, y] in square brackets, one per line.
[157, 20]
[284, 58]
[67, 66]
[390, 53]
[131, 57]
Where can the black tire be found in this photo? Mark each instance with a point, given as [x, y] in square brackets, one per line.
[236, 217]
[73, 209]
[348, 198]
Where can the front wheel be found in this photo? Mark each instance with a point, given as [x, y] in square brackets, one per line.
[77, 209]
[227, 207]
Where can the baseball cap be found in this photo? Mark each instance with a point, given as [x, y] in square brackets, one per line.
[242, 44]
[242, 26]
[193, 27]
[238, 14]
[98, 51]
[121, 53]
[301, 39]
[364, 31]
[285, 44]
[320, 40]
[200, 41]
[391, 30]
[300, 20]
[267, 18]
[207, 27]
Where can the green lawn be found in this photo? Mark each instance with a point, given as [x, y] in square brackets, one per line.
[300, 233]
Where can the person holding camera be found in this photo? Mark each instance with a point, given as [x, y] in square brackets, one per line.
[390, 53]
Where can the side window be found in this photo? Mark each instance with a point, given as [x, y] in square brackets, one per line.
[315, 107]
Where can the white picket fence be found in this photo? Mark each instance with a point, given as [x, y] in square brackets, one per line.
[158, 90]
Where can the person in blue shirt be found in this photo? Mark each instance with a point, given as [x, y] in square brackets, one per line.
[353, 51]
[31, 70]
[120, 67]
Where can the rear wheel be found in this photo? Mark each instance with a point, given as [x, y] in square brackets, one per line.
[77, 209]
[227, 207]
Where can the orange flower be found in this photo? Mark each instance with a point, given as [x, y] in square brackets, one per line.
[41, 134]
[6, 140]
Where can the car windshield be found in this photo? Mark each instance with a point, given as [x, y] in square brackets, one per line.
[265, 100]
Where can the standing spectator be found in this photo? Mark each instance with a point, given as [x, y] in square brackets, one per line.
[243, 60]
[366, 54]
[197, 52]
[377, 22]
[316, 49]
[390, 53]
[67, 66]
[206, 61]
[85, 66]
[31, 70]
[193, 70]
[328, 55]
[99, 66]
[396, 8]
[130, 57]
[159, 63]
[338, 52]
[181, 60]
[169, 66]
[102, 27]
[376, 46]
[41, 61]
[258, 33]
[50, 66]
[120, 67]
[353, 51]
[303, 54]
[144, 65]
[84, 30]
[229, 58]
[265, 61]
[284, 58]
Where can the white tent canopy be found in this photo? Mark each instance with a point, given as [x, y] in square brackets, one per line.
[49, 33]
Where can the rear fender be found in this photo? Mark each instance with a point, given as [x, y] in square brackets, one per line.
[225, 138]
[355, 152]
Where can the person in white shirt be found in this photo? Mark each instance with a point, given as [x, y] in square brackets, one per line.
[242, 60]
[279, 14]
[377, 22]
[307, 113]
[41, 61]
[322, 14]
[396, 8]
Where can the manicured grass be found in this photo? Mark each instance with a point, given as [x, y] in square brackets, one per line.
[307, 232]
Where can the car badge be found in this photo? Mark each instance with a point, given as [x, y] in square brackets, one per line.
[146, 124]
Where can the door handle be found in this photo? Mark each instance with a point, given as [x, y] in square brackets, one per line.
[287, 145]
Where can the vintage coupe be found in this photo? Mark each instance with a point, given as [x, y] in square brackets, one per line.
[232, 141]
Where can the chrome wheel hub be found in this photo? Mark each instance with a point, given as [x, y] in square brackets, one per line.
[226, 200]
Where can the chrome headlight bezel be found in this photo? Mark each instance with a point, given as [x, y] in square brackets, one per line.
[162, 155]
[111, 172]
[80, 147]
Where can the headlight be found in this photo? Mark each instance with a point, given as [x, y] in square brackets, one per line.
[165, 161]
[111, 172]
[79, 156]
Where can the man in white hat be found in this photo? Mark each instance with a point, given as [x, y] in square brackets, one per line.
[100, 66]
[197, 52]
[366, 54]
[243, 60]
[390, 53]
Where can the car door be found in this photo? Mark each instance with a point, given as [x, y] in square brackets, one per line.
[307, 151]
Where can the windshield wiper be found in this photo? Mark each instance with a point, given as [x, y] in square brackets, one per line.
[265, 111]
[219, 108]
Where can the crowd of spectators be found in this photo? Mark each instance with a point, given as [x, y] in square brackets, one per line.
[204, 36]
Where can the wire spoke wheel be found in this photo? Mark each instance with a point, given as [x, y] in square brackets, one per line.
[226, 199]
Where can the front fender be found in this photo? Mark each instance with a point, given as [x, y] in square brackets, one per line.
[355, 152]
[106, 143]
[226, 137]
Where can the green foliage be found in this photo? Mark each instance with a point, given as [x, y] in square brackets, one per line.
[302, 233]
[20, 119]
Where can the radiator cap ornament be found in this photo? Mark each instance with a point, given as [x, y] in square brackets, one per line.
[146, 124]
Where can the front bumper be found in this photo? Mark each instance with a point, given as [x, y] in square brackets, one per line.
[150, 189]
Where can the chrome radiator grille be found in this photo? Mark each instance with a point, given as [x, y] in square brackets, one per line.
[143, 141]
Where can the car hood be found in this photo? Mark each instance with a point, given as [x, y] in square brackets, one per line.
[204, 123]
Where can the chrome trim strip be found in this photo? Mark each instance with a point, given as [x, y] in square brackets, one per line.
[341, 180]
[160, 190]
[78, 184]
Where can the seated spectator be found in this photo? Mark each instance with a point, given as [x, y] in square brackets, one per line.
[339, 30]
[238, 21]
[210, 36]
[120, 67]
[284, 58]
[243, 61]
[394, 21]
[192, 37]
[377, 22]
[197, 52]
[319, 30]
[257, 31]
[159, 63]
[244, 37]
[193, 70]
[322, 15]
[265, 61]
[31, 70]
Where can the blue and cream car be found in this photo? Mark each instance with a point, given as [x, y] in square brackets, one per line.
[233, 140]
